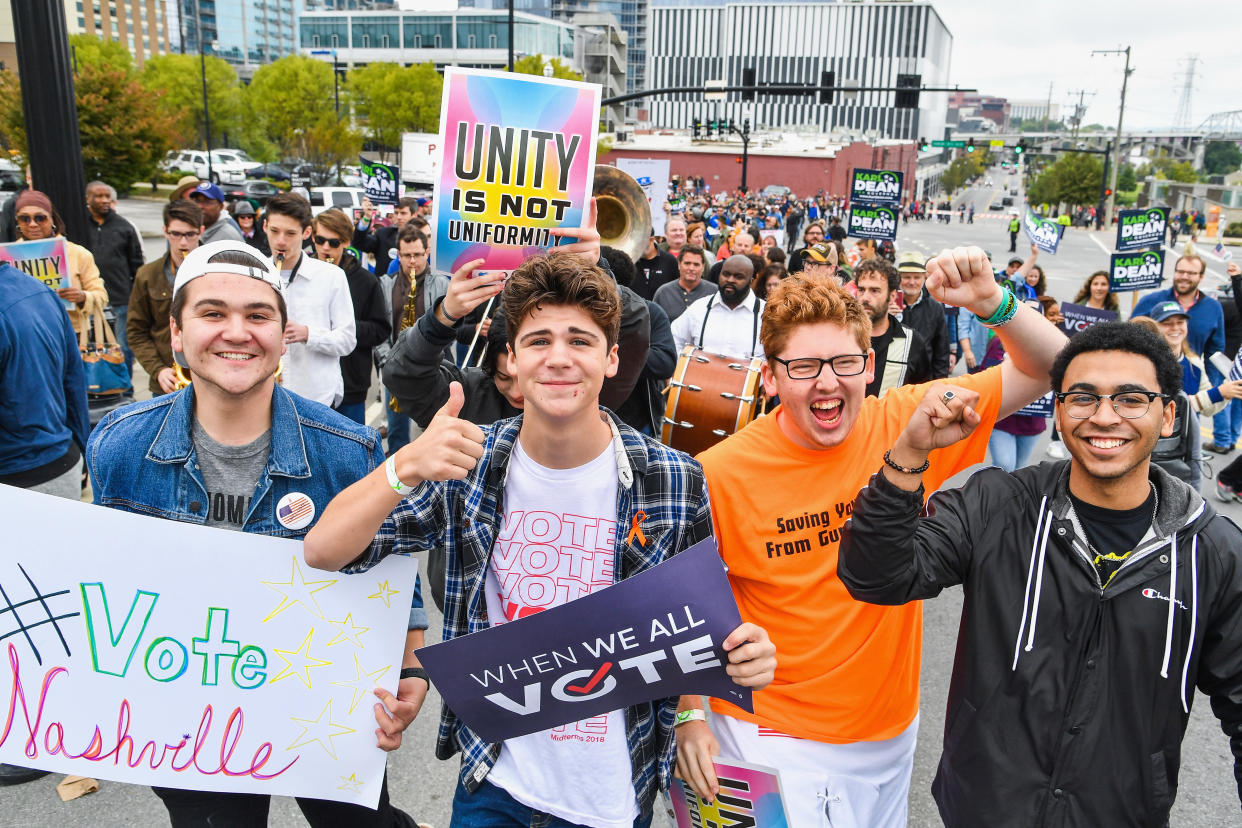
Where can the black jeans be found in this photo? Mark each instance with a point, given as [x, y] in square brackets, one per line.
[210, 809]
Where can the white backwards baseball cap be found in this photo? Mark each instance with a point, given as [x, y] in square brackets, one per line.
[197, 263]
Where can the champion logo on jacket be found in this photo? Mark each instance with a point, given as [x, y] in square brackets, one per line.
[1160, 596]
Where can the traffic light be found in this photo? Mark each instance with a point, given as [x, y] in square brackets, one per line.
[748, 79]
[826, 79]
[746, 125]
[908, 91]
[712, 126]
[738, 159]
[1107, 192]
[695, 126]
[1019, 149]
[970, 145]
[923, 145]
[730, 127]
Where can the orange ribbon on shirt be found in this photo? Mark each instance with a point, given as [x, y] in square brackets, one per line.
[636, 529]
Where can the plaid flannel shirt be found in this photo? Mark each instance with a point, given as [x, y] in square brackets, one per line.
[461, 519]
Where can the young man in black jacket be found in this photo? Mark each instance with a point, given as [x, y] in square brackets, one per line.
[330, 233]
[1099, 593]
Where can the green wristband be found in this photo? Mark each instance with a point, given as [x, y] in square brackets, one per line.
[1004, 311]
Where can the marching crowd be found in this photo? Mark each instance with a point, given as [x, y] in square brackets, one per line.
[1101, 590]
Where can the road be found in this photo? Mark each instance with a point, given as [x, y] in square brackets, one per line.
[424, 786]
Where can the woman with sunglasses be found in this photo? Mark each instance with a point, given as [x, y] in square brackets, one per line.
[36, 220]
[330, 234]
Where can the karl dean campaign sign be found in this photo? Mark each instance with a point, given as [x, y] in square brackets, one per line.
[519, 160]
[196, 658]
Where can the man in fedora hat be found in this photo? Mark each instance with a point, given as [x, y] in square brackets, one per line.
[184, 184]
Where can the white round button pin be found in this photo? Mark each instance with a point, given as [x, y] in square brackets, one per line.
[295, 511]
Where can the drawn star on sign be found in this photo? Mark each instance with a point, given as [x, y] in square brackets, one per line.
[299, 662]
[350, 783]
[362, 683]
[347, 630]
[385, 593]
[321, 730]
[297, 590]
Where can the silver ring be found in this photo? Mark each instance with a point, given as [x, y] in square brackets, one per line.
[947, 396]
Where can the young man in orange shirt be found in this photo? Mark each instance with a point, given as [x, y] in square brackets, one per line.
[841, 717]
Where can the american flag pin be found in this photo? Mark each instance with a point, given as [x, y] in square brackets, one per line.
[295, 511]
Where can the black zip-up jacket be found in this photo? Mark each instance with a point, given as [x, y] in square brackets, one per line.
[1068, 701]
[371, 324]
[927, 317]
[118, 254]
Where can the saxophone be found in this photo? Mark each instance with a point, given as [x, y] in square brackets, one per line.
[409, 315]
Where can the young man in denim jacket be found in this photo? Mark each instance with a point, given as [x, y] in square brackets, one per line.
[584, 477]
[226, 452]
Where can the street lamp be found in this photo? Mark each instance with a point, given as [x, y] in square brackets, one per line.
[336, 77]
[202, 66]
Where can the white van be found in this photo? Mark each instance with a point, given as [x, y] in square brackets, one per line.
[228, 166]
[346, 198]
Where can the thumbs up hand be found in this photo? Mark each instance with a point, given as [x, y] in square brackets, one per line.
[448, 450]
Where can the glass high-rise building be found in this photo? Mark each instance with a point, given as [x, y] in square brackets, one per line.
[246, 33]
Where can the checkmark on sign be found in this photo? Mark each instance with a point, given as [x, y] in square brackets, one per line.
[595, 679]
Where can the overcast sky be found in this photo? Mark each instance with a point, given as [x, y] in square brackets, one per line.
[1016, 49]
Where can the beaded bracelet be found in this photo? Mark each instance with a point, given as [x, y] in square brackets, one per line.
[892, 464]
[1004, 311]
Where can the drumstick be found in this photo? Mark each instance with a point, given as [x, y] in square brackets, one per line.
[487, 310]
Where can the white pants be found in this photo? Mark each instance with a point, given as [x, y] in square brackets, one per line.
[858, 785]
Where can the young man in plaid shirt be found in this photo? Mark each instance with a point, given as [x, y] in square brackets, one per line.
[532, 512]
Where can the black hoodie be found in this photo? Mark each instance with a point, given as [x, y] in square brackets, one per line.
[371, 325]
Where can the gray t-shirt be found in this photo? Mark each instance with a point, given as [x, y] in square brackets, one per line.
[674, 299]
[231, 474]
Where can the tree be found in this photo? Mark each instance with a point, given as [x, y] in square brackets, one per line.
[180, 80]
[1181, 171]
[328, 143]
[1074, 179]
[533, 65]
[1126, 179]
[290, 96]
[12, 119]
[1221, 157]
[123, 129]
[390, 99]
[89, 50]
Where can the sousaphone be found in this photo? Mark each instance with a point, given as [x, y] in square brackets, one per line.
[624, 215]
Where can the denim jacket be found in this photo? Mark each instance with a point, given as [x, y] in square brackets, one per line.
[314, 450]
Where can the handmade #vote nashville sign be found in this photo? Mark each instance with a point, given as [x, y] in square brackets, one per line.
[161, 653]
[652, 636]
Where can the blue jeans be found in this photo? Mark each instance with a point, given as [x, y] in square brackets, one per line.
[121, 314]
[492, 807]
[354, 411]
[398, 427]
[1011, 451]
[1227, 425]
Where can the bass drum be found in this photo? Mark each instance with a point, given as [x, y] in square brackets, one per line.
[709, 397]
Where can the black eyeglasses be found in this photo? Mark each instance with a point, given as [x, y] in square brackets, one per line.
[39, 219]
[808, 368]
[1129, 404]
[179, 236]
[333, 243]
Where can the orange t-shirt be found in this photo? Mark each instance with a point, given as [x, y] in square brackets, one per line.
[847, 671]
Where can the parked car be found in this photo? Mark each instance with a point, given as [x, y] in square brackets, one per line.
[1006, 201]
[272, 171]
[257, 192]
[346, 198]
[227, 166]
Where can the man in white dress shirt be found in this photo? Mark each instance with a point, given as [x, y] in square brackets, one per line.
[727, 322]
[321, 328]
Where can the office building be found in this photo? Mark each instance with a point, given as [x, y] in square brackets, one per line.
[1035, 110]
[473, 38]
[245, 33]
[866, 44]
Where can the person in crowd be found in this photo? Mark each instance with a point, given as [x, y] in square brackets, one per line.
[565, 456]
[331, 231]
[902, 356]
[251, 228]
[151, 298]
[320, 326]
[1095, 293]
[811, 236]
[1099, 594]
[408, 294]
[1051, 309]
[1227, 424]
[217, 224]
[381, 242]
[674, 235]
[245, 441]
[117, 250]
[767, 280]
[37, 220]
[1033, 284]
[44, 419]
[654, 269]
[923, 313]
[727, 321]
[181, 190]
[742, 244]
[775, 255]
[696, 234]
[841, 719]
[690, 286]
